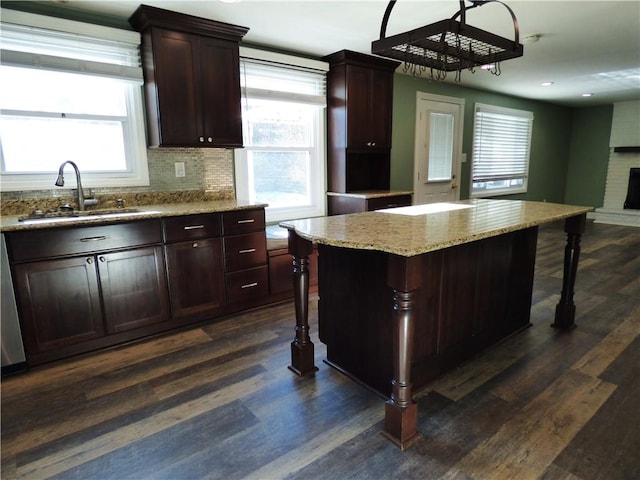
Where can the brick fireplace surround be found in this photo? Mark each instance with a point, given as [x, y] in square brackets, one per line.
[625, 132]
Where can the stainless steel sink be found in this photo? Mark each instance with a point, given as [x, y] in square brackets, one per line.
[75, 215]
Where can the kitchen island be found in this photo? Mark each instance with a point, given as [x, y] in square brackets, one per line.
[407, 293]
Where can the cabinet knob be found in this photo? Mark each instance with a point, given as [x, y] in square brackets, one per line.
[195, 245]
[102, 259]
[90, 260]
[210, 139]
[201, 139]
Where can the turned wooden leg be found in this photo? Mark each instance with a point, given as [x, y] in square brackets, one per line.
[302, 350]
[566, 309]
[401, 412]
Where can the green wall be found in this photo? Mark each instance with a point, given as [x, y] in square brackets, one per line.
[589, 157]
[550, 143]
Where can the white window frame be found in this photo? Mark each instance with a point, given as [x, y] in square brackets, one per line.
[137, 173]
[318, 151]
[519, 168]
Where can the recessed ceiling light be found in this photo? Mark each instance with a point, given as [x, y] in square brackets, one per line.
[587, 94]
[546, 84]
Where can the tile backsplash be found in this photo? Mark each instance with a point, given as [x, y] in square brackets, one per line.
[208, 174]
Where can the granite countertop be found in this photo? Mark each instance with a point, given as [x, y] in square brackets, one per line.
[371, 194]
[94, 216]
[407, 233]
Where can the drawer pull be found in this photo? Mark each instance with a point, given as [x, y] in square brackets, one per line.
[248, 220]
[250, 285]
[193, 227]
[93, 239]
[247, 250]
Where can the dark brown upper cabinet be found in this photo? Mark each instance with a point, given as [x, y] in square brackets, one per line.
[360, 94]
[192, 79]
[359, 108]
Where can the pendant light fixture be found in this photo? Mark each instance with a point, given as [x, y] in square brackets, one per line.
[448, 45]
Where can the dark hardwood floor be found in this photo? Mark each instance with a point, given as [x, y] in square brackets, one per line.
[219, 402]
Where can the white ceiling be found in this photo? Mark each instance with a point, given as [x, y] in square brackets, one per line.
[584, 46]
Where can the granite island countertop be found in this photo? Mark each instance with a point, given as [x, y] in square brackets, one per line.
[409, 231]
[143, 212]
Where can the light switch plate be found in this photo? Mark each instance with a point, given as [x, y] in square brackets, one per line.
[180, 171]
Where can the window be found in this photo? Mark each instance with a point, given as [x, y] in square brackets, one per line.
[441, 128]
[282, 162]
[70, 96]
[501, 144]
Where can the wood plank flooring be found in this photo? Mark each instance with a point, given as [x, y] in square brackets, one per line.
[218, 401]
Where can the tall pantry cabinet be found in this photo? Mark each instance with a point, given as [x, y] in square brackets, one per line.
[360, 107]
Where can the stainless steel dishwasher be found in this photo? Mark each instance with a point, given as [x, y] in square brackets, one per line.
[13, 358]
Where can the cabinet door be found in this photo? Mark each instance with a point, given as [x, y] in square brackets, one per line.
[59, 303]
[381, 114]
[196, 278]
[175, 57]
[134, 288]
[220, 90]
[369, 107]
[358, 106]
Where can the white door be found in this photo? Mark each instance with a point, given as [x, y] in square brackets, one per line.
[438, 148]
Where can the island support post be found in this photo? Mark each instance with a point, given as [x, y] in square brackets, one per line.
[302, 350]
[401, 412]
[566, 308]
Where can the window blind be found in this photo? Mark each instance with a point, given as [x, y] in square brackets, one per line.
[33, 47]
[501, 143]
[267, 80]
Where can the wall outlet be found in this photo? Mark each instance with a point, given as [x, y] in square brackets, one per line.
[180, 171]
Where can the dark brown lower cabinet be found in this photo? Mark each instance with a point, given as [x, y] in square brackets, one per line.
[84, 288]
[71, 300]
[133, 288]
[196, 277]
[59, 303]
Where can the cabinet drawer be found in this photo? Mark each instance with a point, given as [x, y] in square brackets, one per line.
[243, 221]
[34, 244]
[191, 227]
[247, 284]
[243, 251]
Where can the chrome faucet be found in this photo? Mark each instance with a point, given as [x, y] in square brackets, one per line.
[80, 200]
